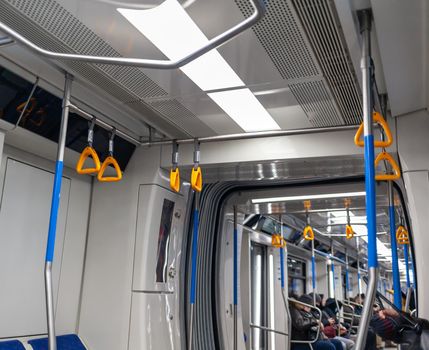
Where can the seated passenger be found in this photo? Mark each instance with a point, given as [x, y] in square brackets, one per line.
[331, 329]
[305, 325]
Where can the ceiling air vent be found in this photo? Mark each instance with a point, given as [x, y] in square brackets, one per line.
[303, 40]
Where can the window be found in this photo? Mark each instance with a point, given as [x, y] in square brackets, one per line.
[296, 276]
[43, 117]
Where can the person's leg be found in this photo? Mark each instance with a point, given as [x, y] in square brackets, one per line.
[348, 342]
[300, 347]
[371, 340]
[325, 345]
[337, 343]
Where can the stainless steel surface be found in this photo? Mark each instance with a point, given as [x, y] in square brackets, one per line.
[410, 292]
[259, 11]
[103, 124]
[64, 116]
[253, 135]
[366, 73]
[266, 329]
[235, 272]
[367, 309]
[50, 312]
[191, 327]
[5, 41]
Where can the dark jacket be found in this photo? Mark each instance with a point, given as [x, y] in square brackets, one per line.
[304, 325]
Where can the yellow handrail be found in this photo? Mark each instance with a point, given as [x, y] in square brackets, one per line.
[396, 171]
[109, 161]
[278, 241]
[308, 233]
[349, 232]
[175, 180]
[197, 179]
[377, 117]
[88, 152]
[402, 235]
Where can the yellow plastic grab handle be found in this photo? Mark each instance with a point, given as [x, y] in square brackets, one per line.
[402, 235]
[396, 171]
[308, 233]
[109, 161]
[197, 179]
[88, 152]
[278, 241]
[349, 232]
[377, 143]
[175, 180]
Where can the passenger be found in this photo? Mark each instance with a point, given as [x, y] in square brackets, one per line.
[304, 327]
[330, 326]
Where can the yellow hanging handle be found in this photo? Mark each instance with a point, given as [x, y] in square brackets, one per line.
[278, 241]
[197, 179]
[377, 117]
[402, 235]
[109, 161]
[175, 180]
[396, 171]
[308, 233]
[349, 232]
[88, 152]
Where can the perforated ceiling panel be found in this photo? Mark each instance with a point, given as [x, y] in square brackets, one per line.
[178, 114]
[321, 23]
[304, 42]
[49, 25]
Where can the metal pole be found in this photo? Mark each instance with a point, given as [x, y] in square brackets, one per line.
[235, 248]
[407, 265]
[347, 277]
[253, 135]
[259, 8]
[395, 264]
[358, 267]
[332, 279]
[313, 272]
[194, 269]
[56, 193]
[369, 181]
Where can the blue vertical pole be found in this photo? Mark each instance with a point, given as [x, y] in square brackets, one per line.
[53, 218]
[395, 263]
[235, 287]
[193, 269]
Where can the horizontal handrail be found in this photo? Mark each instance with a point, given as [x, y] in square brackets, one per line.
[267, 329]
[259, 11]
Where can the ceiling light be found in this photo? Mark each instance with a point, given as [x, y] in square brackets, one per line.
[308, 197]
[170, 28]
[245, 109]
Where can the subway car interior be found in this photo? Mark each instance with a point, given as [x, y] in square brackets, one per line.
[214, 174]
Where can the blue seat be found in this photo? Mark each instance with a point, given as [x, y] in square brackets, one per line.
[11, 345]
[64, 342]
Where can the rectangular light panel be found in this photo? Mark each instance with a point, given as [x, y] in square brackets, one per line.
[176, 35]
[314, 196]
[245, 109]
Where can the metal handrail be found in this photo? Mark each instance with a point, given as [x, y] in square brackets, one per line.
[318, 327]
[259, 11]
[267, 329]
